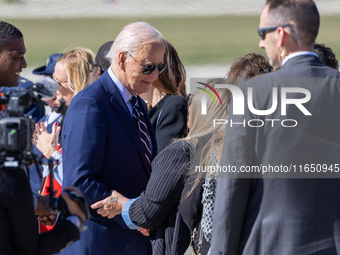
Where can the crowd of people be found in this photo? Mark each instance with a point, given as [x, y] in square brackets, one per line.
[129, 140]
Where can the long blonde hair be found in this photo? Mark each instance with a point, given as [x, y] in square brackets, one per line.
[249, 66]
[77, 69]
[203, 126]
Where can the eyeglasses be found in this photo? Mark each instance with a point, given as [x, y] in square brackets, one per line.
[262, 30]
[92, 65]
[59, 82]
[150, 68]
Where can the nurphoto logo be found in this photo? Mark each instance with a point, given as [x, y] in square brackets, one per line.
[204, 100]
[239, 99]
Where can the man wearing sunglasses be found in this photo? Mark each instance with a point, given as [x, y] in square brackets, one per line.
[108, 141]
[277, 212]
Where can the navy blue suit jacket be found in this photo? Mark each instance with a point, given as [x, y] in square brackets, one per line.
[102, 151]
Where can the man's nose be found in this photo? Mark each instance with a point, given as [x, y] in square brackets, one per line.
[261, 44]
[23, 63]
[154, 74]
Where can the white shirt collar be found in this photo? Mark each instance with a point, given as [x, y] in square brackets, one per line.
[122, 89]
[299, 53]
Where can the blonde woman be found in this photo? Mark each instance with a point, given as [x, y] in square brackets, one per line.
[72, 73]
[197, 206]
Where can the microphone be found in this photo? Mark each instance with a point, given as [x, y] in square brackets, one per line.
[60, 108]
[45, 88]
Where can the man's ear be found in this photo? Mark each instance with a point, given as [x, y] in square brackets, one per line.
[99, 72]
[280, 37]
[121, 58]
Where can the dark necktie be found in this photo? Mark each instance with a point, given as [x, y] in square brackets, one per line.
[139, 119]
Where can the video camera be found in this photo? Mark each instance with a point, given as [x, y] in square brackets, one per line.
[16, 132]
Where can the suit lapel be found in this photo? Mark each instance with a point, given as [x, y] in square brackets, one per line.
[120, 106]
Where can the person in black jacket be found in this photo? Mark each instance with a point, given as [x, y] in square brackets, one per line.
[168, 100]
[19, 228]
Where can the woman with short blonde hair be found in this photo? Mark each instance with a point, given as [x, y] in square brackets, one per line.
[77, 68]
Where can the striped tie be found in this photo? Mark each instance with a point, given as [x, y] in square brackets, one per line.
[139, 119]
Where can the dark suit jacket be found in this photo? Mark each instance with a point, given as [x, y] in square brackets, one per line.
[157, 208]
[169, 119]
[276, 215]
[102, 151]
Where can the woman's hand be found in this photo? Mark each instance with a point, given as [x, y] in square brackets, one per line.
[45, 142]
[110, 206]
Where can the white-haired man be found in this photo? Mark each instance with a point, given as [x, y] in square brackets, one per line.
[292, 207]
[108, 141]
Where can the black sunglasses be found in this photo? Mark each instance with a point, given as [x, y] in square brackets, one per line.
[262, 30]
[149, 68]
[92, 65]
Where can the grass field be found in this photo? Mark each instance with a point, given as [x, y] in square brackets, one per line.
[198, 41]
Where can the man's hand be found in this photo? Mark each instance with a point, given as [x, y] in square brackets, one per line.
[48, 220]
[110, 206]
[72, 206]
[43, 211]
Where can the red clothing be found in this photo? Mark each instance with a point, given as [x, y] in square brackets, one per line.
[44, 190]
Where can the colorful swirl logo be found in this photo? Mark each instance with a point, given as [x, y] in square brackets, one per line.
[209, 93]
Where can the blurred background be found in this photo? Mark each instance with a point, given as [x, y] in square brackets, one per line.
[208, 35]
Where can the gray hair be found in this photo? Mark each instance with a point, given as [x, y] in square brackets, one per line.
[131, 37]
